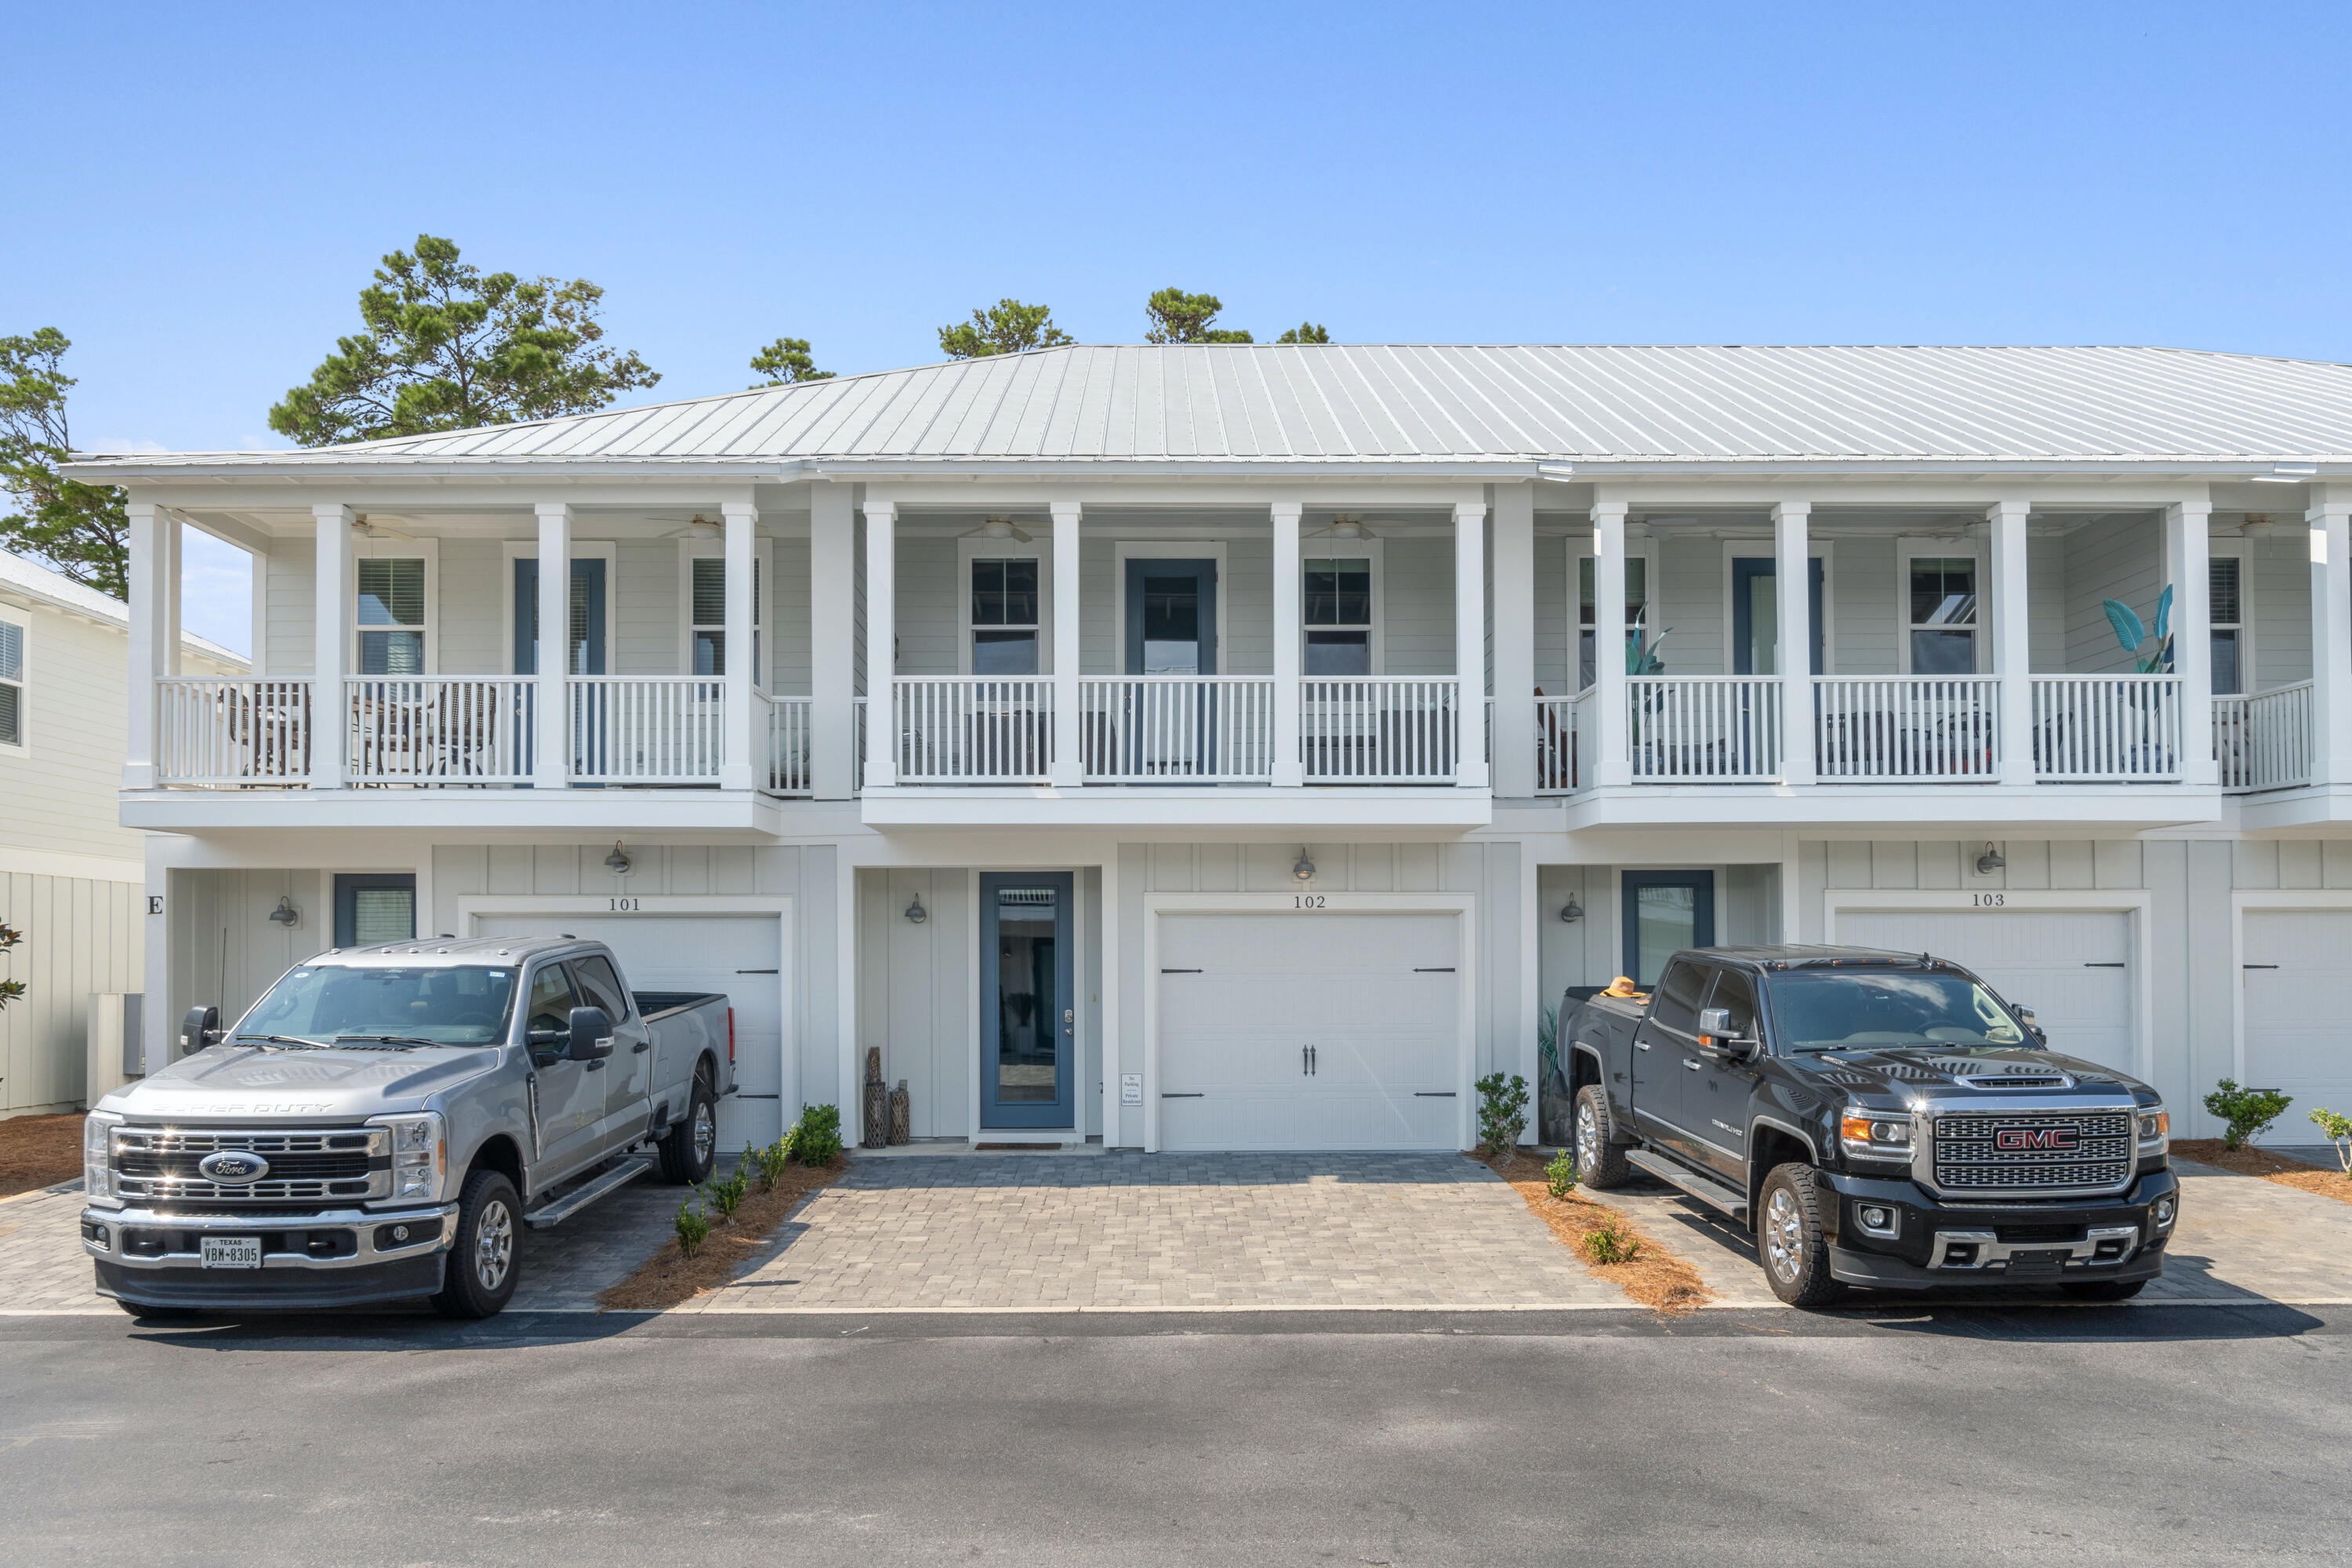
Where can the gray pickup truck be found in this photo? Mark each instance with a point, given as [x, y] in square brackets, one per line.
[380, 1125]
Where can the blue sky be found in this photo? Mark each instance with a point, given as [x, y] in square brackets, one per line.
[203, 190]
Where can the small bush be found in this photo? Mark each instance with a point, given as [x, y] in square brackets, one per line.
[1560, 1176]
[2248, 1112]
[2339, 1132]
[1611, 1241]
[1502, 1112]
[728, 1196]
[816, 1141]
[770, 1163]
[693, 1229]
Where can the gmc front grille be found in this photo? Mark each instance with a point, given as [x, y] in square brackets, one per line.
[2033, 1151]
[163, 1165]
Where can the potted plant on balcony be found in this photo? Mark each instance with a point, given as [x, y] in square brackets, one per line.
[2151, 652]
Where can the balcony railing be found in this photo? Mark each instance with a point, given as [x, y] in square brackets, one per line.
[958, 728]
[1398, 730]
[213, 734]
[1561, 723]
[646, 729]
[440, 730]
[1711, 729]
[1177, 728]
[2263, 741]
[788, 746]
[1879, 729]
[2107, 729]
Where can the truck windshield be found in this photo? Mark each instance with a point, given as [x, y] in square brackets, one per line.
[1860, 1010]
[446, 1006]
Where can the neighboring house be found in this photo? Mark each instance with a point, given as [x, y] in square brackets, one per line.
[71, 873]
[1104, 733]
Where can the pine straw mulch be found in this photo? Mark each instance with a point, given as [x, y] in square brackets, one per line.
[1654, 1277]
[2248, 1161]
[40, 1151]
[669, 1277]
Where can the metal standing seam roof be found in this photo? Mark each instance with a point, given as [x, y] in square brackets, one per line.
[1381, 404]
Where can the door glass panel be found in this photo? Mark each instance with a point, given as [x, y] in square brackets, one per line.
[1943, 653]
[1172, 625]
[601, 987]
[1666, 922]
[1005, 653]
[383, 914]
[2226, 680]
[1338, 653]
[1637, 597]
[1026, 1023]
[1763, 623]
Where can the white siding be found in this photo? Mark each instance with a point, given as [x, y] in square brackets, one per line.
[2277, 589]
[929, 613]
[224, 950]
[59, 789]
[1417, 602]
[916, 992]
[80, 936]
[2115, 558]
[1555, 616]
[290, 595]
[477, 587]
[642, 633]
[1690, 601]
[787, 617]
[1862, 609]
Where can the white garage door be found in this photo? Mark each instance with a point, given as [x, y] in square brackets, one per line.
[1309, 1032]
[2298, 993]
[2073, 969]
[737, 956]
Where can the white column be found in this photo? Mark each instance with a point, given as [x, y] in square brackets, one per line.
[1792, 588]
[2330, 521]
[746, 743]
[1068, 770]
[881, 651]
[1287, 634]
[1606, 755]
[1514, 641]
[832, 653]
[2012, 647]
[2186, 555]
[150, 634]
[552, 758]
[331, 640]
[1471, 771]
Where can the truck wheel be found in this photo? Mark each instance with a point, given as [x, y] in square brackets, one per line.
[1790, 1239]
[690, 1149]
[482, 1267]
[1600, 1163]
[2104, 1289]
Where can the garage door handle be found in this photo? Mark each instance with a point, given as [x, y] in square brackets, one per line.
[2258, 966]
[759, 972]
[1180, 971]
[1447, 970]
[1433, 1094]
[1167, 1094]
[2106, 966]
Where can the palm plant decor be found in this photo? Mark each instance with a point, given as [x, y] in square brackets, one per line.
[2133, 636]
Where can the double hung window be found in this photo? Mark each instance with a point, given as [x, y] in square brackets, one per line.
[12, 684]
[709, 613]
[1338, 607]
[391, 617]
[1942, 615]
[1005, 616]
[2228, 608]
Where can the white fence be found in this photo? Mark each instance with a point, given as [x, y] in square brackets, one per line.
[1393, 730]
[966, 728]
[1560, 742]
[788, 746]
[1902, 727]
[2263, 741]
[2091, 729]
[227, 733]
[1182, 729]
[440, 730]
[646, 729]
[1704, 727]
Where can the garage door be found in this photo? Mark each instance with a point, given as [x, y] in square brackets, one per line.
[1309, 1032]
[2073, 969]
[735, 955]
[2298, 994]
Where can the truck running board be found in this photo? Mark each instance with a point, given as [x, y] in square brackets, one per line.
[561, 1209]
[1713, 1193]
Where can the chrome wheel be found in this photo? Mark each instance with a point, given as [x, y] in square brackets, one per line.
[705, 1131]
[493, 1245]
[1784, 1234]
[1588, 1138]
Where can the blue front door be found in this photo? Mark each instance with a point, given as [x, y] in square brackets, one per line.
[1028, 1018]
[1755, 614]
[585, 653]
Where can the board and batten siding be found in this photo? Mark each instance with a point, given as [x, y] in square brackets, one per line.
[225, 949]
[916, 991]
[81, 936]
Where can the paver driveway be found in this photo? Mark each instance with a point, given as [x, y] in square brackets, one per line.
[1028, 1233]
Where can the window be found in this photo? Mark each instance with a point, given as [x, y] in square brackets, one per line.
[392, 597]
[1005, 616]
[1735, 995]
[2229, 623]
[600, 987]
[373, 907]
[1339, 613]
[548, 1014]
[1675, 1006]
[709, 616]
[1943, 615]
[1637, 602]
[12, 684]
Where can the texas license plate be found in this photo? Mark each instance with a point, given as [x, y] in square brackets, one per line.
[232, 1252]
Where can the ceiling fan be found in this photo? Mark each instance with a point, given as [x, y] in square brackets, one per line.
[699, 527]
[997, 528]
[1345, 525]
[361, 525]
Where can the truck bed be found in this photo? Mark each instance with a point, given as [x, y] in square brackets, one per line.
[653, 1004]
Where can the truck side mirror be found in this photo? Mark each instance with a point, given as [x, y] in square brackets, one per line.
[2032, 1025]
[1717, 1039]
[592, 1035]
[200, 1028]
[1715, 1020]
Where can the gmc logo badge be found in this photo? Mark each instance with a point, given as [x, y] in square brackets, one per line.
[2025, 1138]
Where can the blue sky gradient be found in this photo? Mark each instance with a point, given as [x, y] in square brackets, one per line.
[203, 191]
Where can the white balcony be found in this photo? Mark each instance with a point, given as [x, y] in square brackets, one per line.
[1177, 728]
[1711, 729]
[1900, 728]
[2263, 741]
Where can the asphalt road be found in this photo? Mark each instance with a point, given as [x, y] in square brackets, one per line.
[2184, 1435]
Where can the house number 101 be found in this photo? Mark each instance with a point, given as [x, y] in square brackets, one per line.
[626, 905]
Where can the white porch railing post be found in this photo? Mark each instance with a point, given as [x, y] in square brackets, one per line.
[1471, 771]
[1515, 727]
[1068, 768]
[881, 645]
[551, 761]
[1288, 771]
[1793, 658]
[2011, 640]
[2330, 521]
[330, 639]
[153, 586]
[1610, 757]
[832, 652]
[739, 741]
[2188, 567]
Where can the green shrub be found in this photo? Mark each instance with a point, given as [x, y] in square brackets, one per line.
[1611, 1241]
[817, 1140]
[1560, 1176]
[728, 1196]
[2249, 1111]
[1502, 1112]
[769, 1164]
[693, 1229]
[2339, 1132]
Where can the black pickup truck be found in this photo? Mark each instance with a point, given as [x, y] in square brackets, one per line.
[1876, 1119]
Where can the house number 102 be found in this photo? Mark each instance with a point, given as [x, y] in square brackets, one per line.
[1307, 901]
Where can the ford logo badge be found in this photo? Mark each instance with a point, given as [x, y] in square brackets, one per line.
[233, 1167]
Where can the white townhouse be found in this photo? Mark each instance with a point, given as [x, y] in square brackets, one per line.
[1236, 747]
[71, 874]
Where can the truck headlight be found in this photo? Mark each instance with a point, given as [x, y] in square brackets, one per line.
[420, 1152]
[97, 1166]
[1874, 1136]
[2155, 1131]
